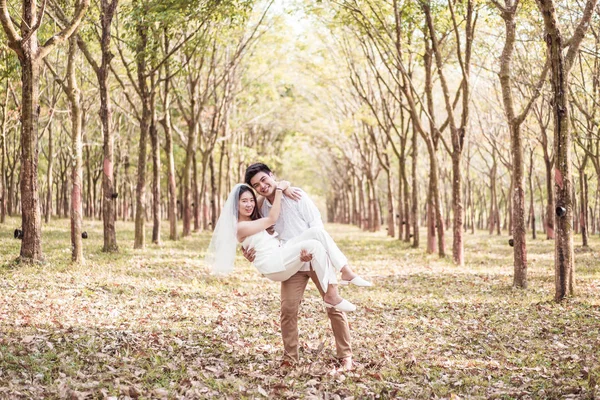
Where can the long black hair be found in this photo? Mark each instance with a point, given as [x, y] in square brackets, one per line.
[255, 213]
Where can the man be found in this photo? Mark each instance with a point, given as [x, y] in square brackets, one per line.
[297, 215]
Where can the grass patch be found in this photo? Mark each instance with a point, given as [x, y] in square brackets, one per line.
[154, 323]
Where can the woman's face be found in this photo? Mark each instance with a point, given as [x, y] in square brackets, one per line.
[246, 205]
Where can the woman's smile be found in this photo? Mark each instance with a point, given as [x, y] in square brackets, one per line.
[247, 204]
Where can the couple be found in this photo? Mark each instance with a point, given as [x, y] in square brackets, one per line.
[301, 239]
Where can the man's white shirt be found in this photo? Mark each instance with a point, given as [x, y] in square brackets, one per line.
[295, 217]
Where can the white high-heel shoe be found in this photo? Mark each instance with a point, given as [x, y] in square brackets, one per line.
[357, 281]
[344, 306]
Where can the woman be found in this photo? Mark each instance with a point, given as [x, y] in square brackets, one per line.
[241, 222]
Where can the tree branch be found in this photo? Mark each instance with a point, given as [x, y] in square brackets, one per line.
[14, 40]
[67, 32]
[125, 92]
[538, 90]
[38, 22]
[579, 33]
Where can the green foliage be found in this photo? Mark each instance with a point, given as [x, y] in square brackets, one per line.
[9, 65]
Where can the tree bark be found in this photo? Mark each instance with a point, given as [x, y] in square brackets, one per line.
[406, 204]
[200, 205]
[166, 123]
[560, 68]
[140, 208]
[514, 123]
[430, 221]
[3, 191]
[458, 133]
[583, 201]
[531, 192]
[30, 55]
[49, 173]
[400, 212]
[213, 192]
[415, 191]
[76, 209]
[390, 205]
[108, 9]
[192, 138]
[31, 245]
[187, 182]
[155, 146]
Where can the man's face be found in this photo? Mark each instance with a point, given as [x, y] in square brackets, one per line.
[263, 183]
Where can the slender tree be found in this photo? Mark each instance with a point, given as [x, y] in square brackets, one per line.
[508, 12]
[560, 66]
[30, 53]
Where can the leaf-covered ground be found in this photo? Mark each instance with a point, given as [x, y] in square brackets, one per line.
[155, 324]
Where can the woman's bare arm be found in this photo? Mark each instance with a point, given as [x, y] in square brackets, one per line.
[247, 228]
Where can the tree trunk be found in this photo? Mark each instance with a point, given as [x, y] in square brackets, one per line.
[59, 190]
[457, 245]
[109, 205]
[140, 208]
[65, 189]
[447, 204]
[560, 68]
[415, 191]
[437, 222]
[362, 212]
[458, 133]
[401, 216]
[199, 196]
[518, 210]
[3, 191]
[376, 227]
[10, 196]
[494, 215]
[583, 216]
[517, 221]
[406, 204]
[166, 123]
[531, 192]
[218, 195]
[550, 204]
[430, 221]
[355, 218]
[74, 96]
[390, 205]
[213, 193]
[187, 182]
[575, 210]
[48, 213]
[155, 145]
[30, 55]
[31, 245]
[369, 206]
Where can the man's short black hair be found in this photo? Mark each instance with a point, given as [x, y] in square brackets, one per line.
[255, 169]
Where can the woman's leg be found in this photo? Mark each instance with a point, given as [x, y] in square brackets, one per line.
[321, 266]
[320, 262]
[338, 259]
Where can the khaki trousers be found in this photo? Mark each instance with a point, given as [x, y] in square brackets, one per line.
[292, 291]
